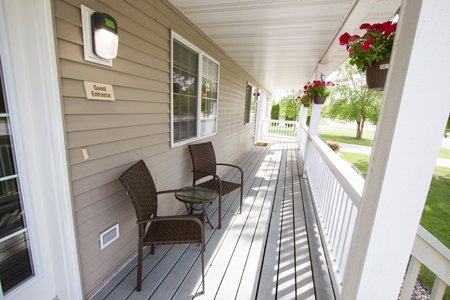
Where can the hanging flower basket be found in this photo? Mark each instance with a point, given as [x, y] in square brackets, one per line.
[318, 90]
[303, 100]
[376, 75]
[370, 53]
[319, 99]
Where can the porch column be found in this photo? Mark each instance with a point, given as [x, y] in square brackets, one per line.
[301, 120]
[410, 129]
[303, 115]
[260, 114]
[316, 108]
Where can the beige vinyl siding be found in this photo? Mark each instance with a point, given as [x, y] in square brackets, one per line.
[136, 125]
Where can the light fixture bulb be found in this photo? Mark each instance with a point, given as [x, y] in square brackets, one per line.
[106, 43]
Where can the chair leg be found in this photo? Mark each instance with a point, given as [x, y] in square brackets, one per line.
[203, 267]
[152, 249]
[139, 268]
[220, 211]
[242, 197]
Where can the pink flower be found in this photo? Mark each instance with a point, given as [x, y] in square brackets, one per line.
[367, 44]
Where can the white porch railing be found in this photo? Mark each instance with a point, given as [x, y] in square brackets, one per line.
[429, 251]
[303, 139]
[279, 129]
[336, 190]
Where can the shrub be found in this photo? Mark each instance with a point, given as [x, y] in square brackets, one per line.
[275, 111]
[334, 145]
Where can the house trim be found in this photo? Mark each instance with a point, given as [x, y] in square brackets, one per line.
[37, 123]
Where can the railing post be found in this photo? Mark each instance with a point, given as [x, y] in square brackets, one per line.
[410, 278]
[438, 290]
[301, 120]
[303, 115]
[315, 119]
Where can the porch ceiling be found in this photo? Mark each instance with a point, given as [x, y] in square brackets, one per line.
[280, 42]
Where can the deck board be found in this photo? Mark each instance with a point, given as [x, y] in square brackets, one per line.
[286, 270]
[231, 280]
[260, 253]
[267, 288]
[303, 270]
[248, 284]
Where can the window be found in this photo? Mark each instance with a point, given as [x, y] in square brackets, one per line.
[251, 98]
[195, 89]
[16, 264]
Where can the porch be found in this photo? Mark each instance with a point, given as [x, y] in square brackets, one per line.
[262, 252]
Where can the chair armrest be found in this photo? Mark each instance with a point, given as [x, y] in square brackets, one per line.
[206, 173]
[172, 218]
[233, 166]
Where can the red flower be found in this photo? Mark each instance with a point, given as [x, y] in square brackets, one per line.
[367, 44]
[344, 39]
[389, 27]
[354, 37]
[365, 26]
[377, 27]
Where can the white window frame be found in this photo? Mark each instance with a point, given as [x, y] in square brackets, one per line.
[36, 121]
[201, 54]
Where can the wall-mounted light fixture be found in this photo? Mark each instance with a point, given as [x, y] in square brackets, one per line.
[100, 36]
[105, 40]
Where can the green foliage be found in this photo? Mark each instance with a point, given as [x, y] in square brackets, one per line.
[351, 100]
[275, 111]
[289, 107]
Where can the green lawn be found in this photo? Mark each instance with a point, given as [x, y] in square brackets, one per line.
[444, 153]
[359, 161]
[436, 213]
[346, 139]
[347, 136]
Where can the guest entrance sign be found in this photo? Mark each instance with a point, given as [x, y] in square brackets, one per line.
[99, 91]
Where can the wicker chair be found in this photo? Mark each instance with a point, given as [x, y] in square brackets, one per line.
[204, 164]
[141, 189]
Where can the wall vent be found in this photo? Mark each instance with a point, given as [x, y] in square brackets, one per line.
[109, 236]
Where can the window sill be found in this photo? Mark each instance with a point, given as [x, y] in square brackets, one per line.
[177, 145]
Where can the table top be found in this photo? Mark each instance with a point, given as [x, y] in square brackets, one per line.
[196, 194]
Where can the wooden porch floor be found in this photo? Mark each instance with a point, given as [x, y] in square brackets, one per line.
[262, 253]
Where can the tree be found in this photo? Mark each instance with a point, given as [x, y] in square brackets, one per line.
[351, 100]
[275, 111]
[289, 107]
